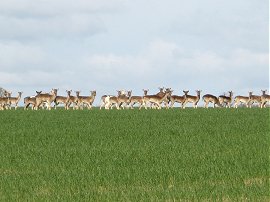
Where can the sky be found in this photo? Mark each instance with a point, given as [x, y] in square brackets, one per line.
[211, 45]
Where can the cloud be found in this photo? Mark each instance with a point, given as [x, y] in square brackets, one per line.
[35, 19]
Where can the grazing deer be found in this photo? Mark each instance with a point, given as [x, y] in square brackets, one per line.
[254, 99]
[178, 99]
[88, 100]
[208, 98]
[227, 100]
[30, 101]
[48, 98]
[241, 99]
[264, 98]
[192, 99]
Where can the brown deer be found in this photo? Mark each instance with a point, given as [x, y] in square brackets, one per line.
[208, 98]
[47, 97]
[158, 100]
[226, 100]
[111, 101]
[241, 99]
[124, 100]
[264, 98]
[254, 99]
[71, 100]
[88, 100]
[62, 100]
[137, 99]
[192, 99]
[178, 99]
[30, 101]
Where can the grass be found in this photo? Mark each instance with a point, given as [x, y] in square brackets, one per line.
[132, 155]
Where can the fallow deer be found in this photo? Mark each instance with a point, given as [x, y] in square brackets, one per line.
[264, 98]
[88, 100]
[124, 99]
[178, 99]
[137, 99]
[48, 98]
[30, 101]
[226, 100]
[208, 98]
[241, 99]
[15, 100]
[5, 101]
[62, 100]
[192, 99]
[157, 100]
[254, 99]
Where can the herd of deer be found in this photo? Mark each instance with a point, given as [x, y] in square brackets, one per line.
[126, 100]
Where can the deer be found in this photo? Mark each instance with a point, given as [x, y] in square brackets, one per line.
[5, 101]
[178, 99]
[15, 100]
[227, 100]
[88, 100]
[264, 98]
[110, 101]
[71, 100]
[48, 98]
[62, 100]
[30, 100]
[254, 99]
[192, 99]
[124, 100]
[137, 99]
[158, 100]
[208, 98]
[242, 99]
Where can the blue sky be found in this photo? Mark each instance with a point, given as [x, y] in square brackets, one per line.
[212, 45]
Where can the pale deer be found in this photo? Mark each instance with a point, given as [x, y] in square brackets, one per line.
[208, 98]
[192, 99]
[15, 100]
[254, 99]
[241, 99]
[88, 100]
[48, 98]
[5, 101]
[226, 100]
[264, 98]
[111, 101]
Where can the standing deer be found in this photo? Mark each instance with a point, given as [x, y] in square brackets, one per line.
[137, 99]
[241, 99]
[5, 101]
[178, 99]
[264, 98]
[192, 99]
[15, 100]
[30, 101]
[48, 98]
[88, 100]
[208, 98]
[227, 100]
[254, 99]
[158, 100]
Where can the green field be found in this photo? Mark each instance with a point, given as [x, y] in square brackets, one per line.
[131, 155]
